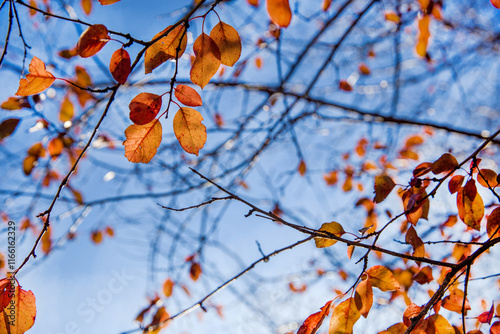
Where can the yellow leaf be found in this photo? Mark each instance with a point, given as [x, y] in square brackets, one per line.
[86, 6]
[487, 178]
[398, 328]
[392, 16]
[23, 307]
[15, 103]
[471, 212]
[382, 278]
[333, 228]
[364, 292]
[67, 110]
[37, 80]
[344, 316]
[441, 325]
[142, 141]
[229, 43]
[165, 48]
[168, 287]
[207, 60]
[189, 131]
[279, 11]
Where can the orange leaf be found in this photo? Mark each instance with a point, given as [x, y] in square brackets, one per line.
[279, 11]
[96, 237]
[399, 328]
[424, 276]
[441, 325]
[67, 110]
[333, 228]
[302, 169]
[493, 224]
[414, 240]
[86, 6]
[422, 169]
[229, 43]
[108, 2]
[189, 130]
[92, 40]
[119, 65]
[496, 3]
[331, 178]
[144, 108]
[109, 231]
[364, 292]
[168, 287]
[382, 278]
[495, 328]
[23, 307]
[8, 127]
[444, 164]
[383, 187]
[254, 3]
[55, 147]
[470, 211]
[345, 86]
[411, 311]
[364, 69]
[188, 96]
[207, 60]
[160, 316]
[37, 80]
[454, 301]
[487, 178]
[165, 48]
[314, 321]
[326, 5]
[15, 103]
[142, 141]
[47, 241]
[344, 316]
[455, 183]
[195, 271]
[392, 16]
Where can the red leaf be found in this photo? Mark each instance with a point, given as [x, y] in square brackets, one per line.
[92, 40]
[314, 321]
[188, 96]
[144, 108]
[486, 317]
[119, 65]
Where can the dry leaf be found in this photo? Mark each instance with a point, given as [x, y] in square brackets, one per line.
[142, 141]
[37, 80]
[189, 130]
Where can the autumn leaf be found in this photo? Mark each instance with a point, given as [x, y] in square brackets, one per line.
[165, 48]
[37, 80]
[142, 141]
[382, 278]
[454, 301]
[364, 69]
[207, 60]
[119, 65]
[195, 271]
[486, 317]
[15, 103]
[496, 3]
[487, 178]
[364, 293]
[144, 108]
[24, 308]
[444, 164]
[108, 2]
[189, 130]
[345, 86]
[312, 324]
[471, 212]
[333, 228]
[399, 328]
[441, 325]
[86, 6]
[188, 96]
[455, 183]
[229, 43]
[92, 40]
[47, 241]
[7, 127]
[280, 13]
[344, 316]
[67, 110]
[493, 224]
[55, 147]
[424, 275]
[254, 3]
[96, 237]
[383, 187]
[160, 316]
[495, 328]
[168, 286]
[392, 16]
[331, 178]
[302, 168]
[414, 240]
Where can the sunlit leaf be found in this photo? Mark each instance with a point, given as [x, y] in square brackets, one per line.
[144, 108]
[454, 301]
[486, 317]
[470, 212]
[7, 127]
[455, 183]
[195, 271]
[67, 110]
[364, 292]
[487, 178]
[392, 16]
[344, 316]
[142, 141]
[165, 48]
[228, 41]
[108, 2]
[493, 224]
[168, 287]
[160, 316]
[441, 325]
[37, 80]
[96, 237]
[188, 96]
[23, 307]
[189, 130]
[279, 11]
[496, 3]
[92, 40]
[383, 187]
[15, 103]
[333, 228]
[444, 164]
[411, 311]
[312, 324]
[495, 328]
[207, 60]
[399, 328]
[302, 169]
[119, 65]
[86, 6]
[382, 278]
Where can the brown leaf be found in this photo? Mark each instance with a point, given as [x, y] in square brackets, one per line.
[411, 311]
[383, 187]
[188, 96]
[424, 276]
[195, 271]
[189, 130]
[92, 40]
[119, 65]
[165, 48]
[312, 324]
[414, 240]
[229, 43]
[207, 60]
[279, 11]
[37, 80]
[7, 127]
[302, 169]
[345, 86]
[446, 163]
[96, 237]
[144, 108]
[142, 141]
